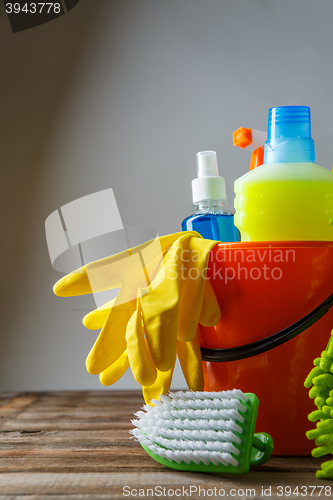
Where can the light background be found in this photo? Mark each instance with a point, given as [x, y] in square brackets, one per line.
[122, 94]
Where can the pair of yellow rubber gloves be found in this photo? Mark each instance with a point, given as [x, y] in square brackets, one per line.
[164, 296]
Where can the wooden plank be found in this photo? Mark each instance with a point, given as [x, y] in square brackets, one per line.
[50, 425]
[114, 485]
[76, 410]
[41, 438]
[15, 405]
[4, 396]
[77, 414]
[77, 446]
[117, 461]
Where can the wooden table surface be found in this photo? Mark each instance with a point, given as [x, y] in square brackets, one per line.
[76, 445]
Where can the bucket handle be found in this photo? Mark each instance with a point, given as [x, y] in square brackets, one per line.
[268, 343]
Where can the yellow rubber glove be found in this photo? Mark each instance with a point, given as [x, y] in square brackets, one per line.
[115, 371]
[160, 305]
[189, 355]
[143, 330]
[190, 361]
[123, 270]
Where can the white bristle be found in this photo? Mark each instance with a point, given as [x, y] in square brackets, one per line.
[201, 404]
[181, 444]
[227, 418]
[200, 437]
[187, 456]
[193, 426]
[234, 394]
[206, 414]
[199, 424]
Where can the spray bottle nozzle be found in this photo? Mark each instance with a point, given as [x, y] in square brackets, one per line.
[208, 185]
[207, 164]
[253, 140]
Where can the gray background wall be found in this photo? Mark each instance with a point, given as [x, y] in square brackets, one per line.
[123, 94]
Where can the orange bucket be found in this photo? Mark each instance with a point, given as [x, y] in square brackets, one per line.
[275, 300]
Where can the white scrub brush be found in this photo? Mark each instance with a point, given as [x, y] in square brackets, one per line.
[203, 431]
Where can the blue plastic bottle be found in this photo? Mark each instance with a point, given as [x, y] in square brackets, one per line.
[212, 219]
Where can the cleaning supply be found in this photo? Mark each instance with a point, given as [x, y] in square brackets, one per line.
[320, 383]
[203, 432]
[252, 140]
[289, 197]
[212, 219]
[163, 298]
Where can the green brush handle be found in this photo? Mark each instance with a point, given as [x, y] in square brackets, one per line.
[262, 448]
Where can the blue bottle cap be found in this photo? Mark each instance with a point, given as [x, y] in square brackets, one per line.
[289, 135]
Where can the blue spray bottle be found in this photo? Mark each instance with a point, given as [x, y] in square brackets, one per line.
[212, 219]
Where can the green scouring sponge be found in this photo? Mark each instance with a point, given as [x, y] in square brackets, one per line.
[320, 383]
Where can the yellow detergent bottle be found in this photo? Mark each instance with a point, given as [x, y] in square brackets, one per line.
[289, 197]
